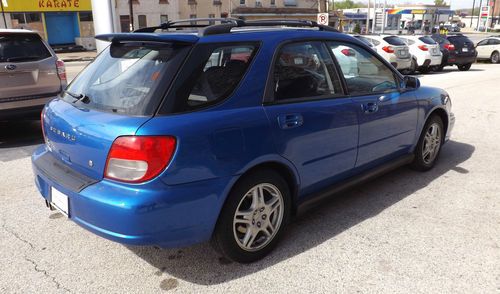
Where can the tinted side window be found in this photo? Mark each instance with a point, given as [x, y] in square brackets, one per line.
[482, 43]
[363, 72]
[304, 70]
[494, 42]
[221, 73]
[22, 47]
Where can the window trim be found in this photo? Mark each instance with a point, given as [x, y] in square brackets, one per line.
[167, 103]
[269, 99]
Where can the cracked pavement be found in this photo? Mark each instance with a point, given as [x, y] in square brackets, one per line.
[435, 232]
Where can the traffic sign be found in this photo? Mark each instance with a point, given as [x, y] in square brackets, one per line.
[323, 18]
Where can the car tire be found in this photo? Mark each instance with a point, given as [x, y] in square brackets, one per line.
[254, 217]
[464, 67]
[424, 69]
[439, 68]
[429, 144]
[495, 57]
[413, 67]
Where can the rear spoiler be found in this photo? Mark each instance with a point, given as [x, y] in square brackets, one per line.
[148, 37]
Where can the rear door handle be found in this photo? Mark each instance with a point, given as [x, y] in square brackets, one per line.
[370, 107]
[288, 121]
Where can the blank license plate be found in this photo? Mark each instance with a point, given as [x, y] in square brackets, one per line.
[59, 201]
[465, 49]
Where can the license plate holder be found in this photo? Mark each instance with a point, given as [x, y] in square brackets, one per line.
[60, 201]
[465, 49]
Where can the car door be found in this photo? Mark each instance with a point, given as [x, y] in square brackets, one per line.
[483, 49]
[314, 124]
[387, 116]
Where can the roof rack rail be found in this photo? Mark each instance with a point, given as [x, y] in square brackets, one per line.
[226, 24]
[188, 23]
[226, 28]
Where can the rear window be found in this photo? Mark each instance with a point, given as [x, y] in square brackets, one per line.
[459, 39]
[393, 40]
[128, 78]
[427, 40]
[22, 47]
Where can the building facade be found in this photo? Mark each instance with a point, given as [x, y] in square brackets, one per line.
[63, 22]
[57, 21]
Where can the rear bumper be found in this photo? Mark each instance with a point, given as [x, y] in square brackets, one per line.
[20, 107]
[147, 214]
[401, 63]
[436, 60]
[460, 60]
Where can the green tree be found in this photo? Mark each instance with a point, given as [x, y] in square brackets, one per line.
[357, 29]
[347, 4]
[439, 2]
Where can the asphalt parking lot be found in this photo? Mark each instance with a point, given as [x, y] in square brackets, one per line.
[434, 232]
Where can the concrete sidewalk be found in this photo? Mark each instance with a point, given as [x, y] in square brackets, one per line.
[77, 56]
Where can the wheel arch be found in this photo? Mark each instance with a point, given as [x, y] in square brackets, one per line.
[286, 170]
[441, 113]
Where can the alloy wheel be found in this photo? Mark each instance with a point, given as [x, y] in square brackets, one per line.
[258, 217]
[431, 144]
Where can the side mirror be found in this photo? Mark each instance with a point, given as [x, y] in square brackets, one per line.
[411, 82]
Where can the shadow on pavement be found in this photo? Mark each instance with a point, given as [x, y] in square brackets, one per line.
[19, 139]
[201, 265]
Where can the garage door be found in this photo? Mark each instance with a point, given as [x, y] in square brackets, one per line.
[62, 28]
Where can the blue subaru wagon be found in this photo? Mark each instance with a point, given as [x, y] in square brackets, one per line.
[225, 131]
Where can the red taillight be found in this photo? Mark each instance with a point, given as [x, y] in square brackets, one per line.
[348, 52]
[136, 159]
[423, 47]
[61, 70]
[388, 49]
[449, 47]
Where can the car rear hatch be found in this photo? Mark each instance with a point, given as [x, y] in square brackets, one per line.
[400, 48]
[463, 45]
[27, 67]
[112, 97]
[432, 45]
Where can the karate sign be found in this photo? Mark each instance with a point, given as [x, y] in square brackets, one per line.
[323, 18]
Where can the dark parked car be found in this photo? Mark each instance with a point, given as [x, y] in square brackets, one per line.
[172, 139]
[457, 50]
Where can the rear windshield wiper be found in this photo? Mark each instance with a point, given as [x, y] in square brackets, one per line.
[21, 58]
[78, 97]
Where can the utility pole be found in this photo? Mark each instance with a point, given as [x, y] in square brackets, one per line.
[131, 14]
[479, 15]
[384, 17]
[368, 19]
[472, 16]
[374, 16]
[3, 14]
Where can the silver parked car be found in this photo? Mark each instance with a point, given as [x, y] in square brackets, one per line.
[30, 74]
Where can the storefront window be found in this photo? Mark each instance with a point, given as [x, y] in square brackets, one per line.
[33, 17]
[86, 16]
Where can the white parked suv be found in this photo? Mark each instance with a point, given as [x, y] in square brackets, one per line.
[489, 49]
[392, 48]
[426, 53]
